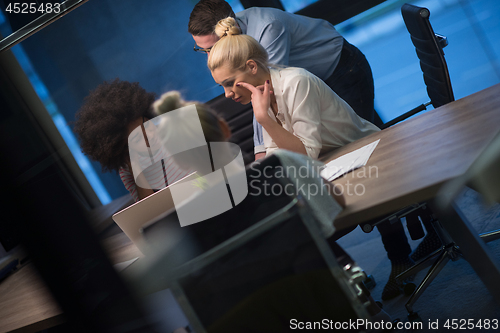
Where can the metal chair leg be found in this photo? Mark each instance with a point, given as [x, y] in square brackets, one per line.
[430, 259]
[420, 265]
[490, 236]
[446, 254]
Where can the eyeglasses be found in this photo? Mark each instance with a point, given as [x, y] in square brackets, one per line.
[197, 49]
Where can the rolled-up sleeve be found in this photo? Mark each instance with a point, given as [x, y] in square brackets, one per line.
[304, 102]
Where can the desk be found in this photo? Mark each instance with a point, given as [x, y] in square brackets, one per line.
[415, 158]
[26, 304]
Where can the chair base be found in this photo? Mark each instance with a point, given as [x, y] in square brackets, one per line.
[443, 255]
[490, 236]
[437, 260]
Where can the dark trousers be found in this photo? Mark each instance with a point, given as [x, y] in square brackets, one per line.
[352, 80]
[394, 240]
[393, 237]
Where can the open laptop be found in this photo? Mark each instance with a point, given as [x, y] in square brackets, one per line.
[147, 211]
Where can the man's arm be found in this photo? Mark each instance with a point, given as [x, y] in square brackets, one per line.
[258, 140]
[276, 39]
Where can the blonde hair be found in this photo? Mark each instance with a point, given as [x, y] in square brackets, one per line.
[234, 48]
[210, 121]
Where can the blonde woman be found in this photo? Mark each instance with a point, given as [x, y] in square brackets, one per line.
[297, 110]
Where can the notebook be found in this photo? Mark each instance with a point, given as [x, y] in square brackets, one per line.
[147, 211]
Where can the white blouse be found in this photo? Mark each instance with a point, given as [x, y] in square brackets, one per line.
[315, 114]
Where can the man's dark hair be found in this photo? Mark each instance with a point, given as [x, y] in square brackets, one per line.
[205, 16]
[102, 121]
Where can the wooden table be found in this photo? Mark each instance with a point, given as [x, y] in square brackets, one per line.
[414, 159]
[26, 304]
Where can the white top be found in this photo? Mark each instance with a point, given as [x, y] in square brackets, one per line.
[315, 114]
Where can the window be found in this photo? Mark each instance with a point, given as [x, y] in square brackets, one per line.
[149, 44]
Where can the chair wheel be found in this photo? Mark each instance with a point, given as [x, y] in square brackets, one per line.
[367, 228]
[414, 317]
[409, 288]
[369, 282]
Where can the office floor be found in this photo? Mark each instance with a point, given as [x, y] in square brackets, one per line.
[456, 293]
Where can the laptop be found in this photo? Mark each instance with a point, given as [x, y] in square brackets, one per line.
[145, 212]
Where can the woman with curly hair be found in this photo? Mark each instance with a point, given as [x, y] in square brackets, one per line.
[112, 112]
[103, 124]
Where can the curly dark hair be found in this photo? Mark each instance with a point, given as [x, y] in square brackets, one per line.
[101, 123]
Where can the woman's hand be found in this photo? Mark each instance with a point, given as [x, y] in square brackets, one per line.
[261, 100]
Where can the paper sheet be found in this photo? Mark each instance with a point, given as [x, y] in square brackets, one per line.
[348, 162]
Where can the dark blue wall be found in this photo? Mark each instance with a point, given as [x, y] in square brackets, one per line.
[144, 41]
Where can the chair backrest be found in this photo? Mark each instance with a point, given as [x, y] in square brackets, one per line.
[267, 250]
[240, 120]
[265, 276]
[276, 258]
[430, 53]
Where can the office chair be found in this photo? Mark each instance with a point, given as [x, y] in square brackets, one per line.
[436, 77]
[483, 177]
[429, 47]
[267, 249]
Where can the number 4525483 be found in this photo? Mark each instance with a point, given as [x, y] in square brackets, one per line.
[32, 8]
[471, 324]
